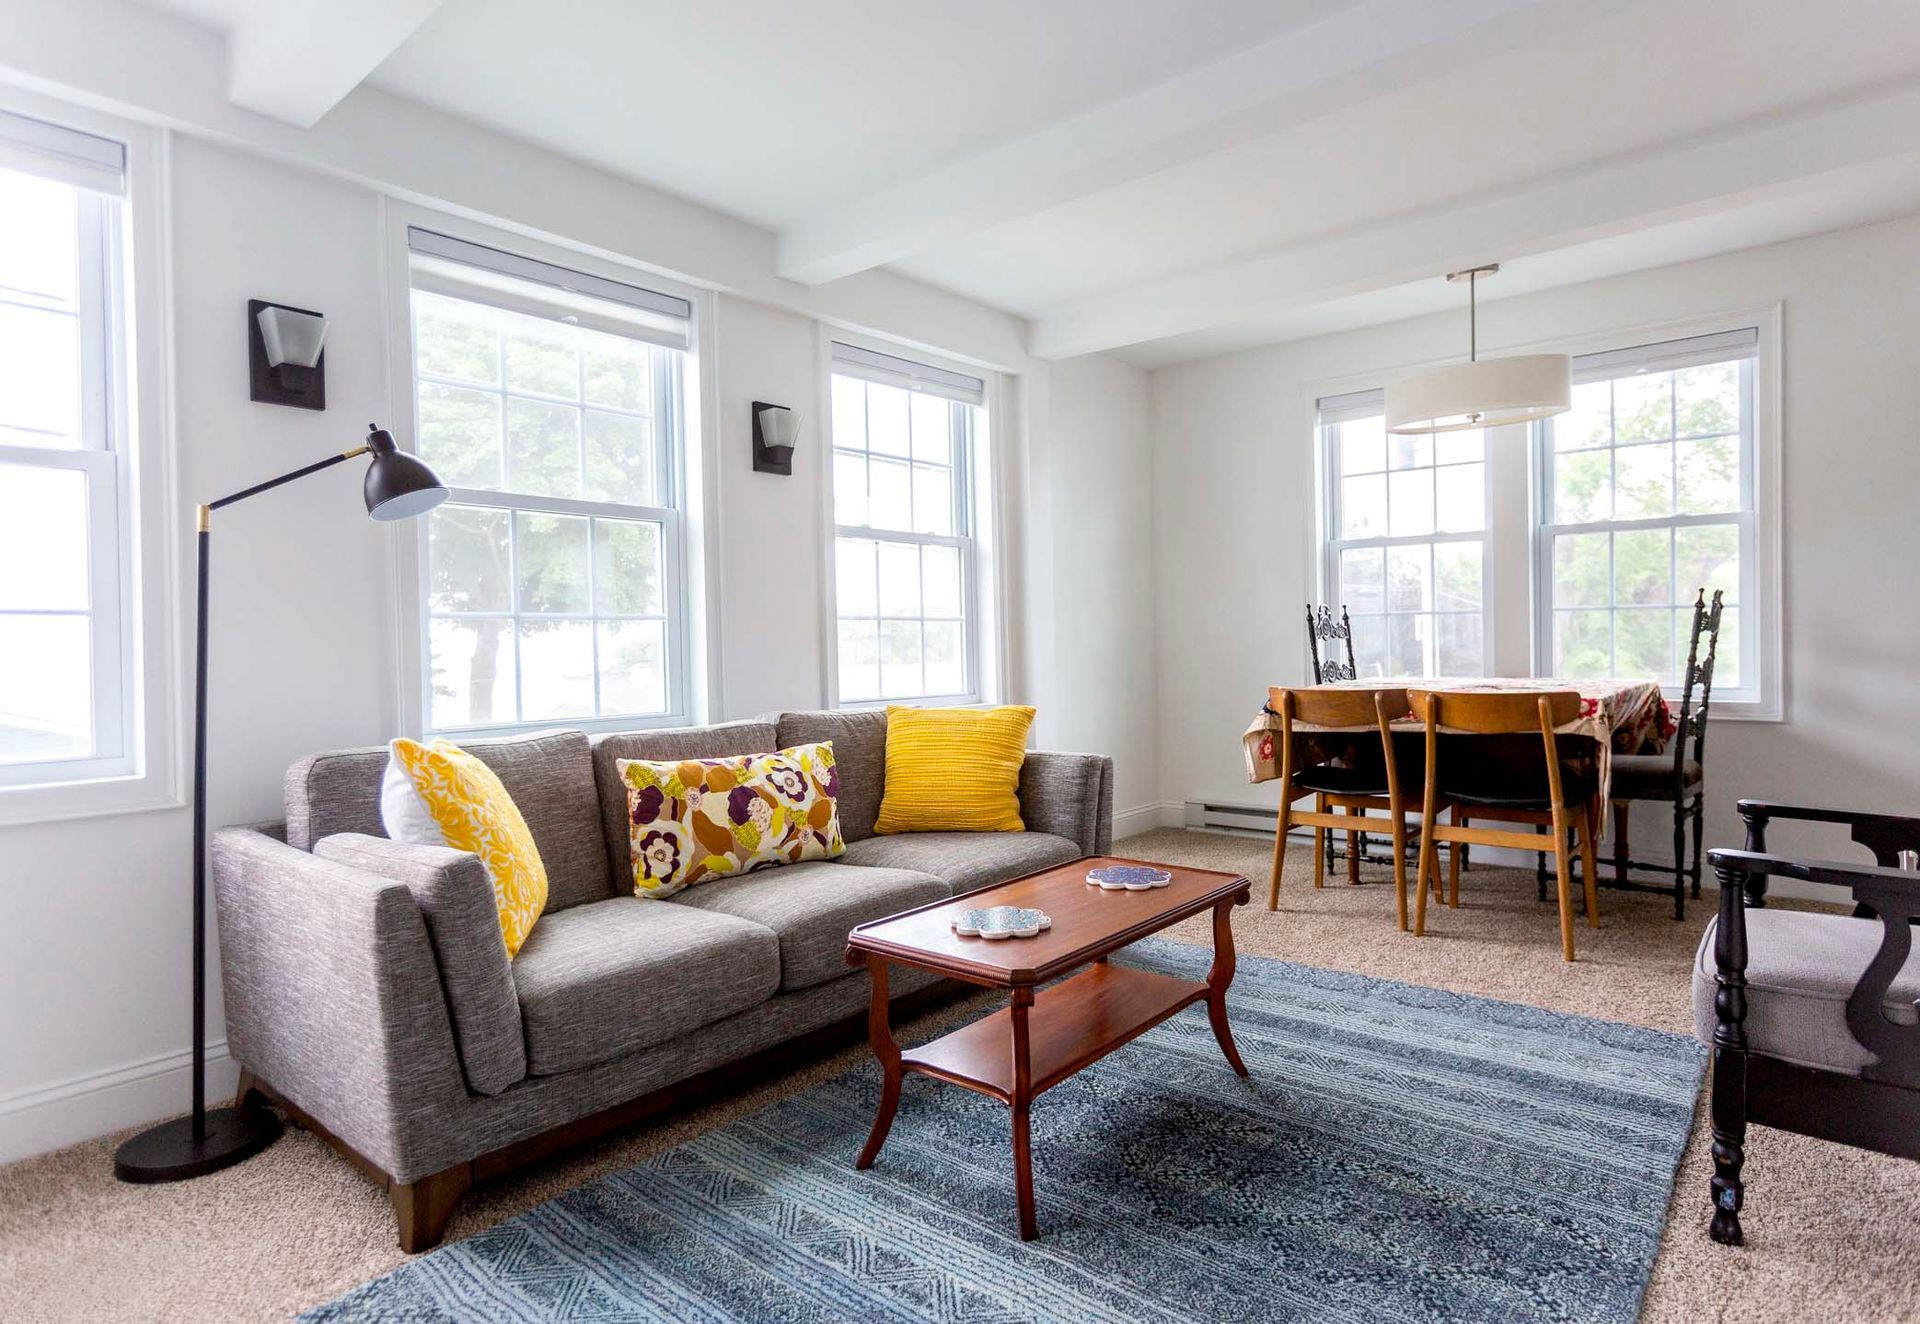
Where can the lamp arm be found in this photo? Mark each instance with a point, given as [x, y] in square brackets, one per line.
[301, 472]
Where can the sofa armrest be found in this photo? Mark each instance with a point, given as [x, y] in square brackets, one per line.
[334, 999]
[456, 899]
[1071, 796]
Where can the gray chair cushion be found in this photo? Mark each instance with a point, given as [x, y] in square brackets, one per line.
[811, 906]
[967, 861]
[725, 740]
[1650, 776]
[1801, 968]
[549, 775]
[600, 981]
[859, 755]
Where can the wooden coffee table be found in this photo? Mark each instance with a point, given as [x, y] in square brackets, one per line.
[1044, 1036]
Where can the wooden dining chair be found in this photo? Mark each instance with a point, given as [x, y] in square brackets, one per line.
[1339, 786]
[1556, 796]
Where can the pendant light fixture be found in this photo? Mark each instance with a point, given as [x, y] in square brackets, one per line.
[1480, 393]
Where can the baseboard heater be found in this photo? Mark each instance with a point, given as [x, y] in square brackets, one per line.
[1257, 820]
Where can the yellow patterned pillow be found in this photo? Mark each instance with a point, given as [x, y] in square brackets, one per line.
[954, 769]
[474, 813]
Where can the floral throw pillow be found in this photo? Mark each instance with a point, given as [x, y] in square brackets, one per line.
[695, 819]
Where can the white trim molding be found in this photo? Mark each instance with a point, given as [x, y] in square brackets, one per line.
[97, 1103]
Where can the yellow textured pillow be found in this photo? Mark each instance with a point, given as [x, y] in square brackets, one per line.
[475, 813]
[954, 769]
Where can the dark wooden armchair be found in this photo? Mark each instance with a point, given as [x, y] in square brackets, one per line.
[1811, 1017]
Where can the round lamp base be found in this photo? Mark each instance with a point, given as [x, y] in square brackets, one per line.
[171, 1152]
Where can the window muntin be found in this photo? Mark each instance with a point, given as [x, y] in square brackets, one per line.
[67, 710]
[551, 577]
[904, 549]
[1647, 497]
[1406, 552]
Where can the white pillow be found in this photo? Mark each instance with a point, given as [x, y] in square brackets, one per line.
[402, 812]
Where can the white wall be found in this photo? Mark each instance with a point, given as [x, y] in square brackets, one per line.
[1234, 477]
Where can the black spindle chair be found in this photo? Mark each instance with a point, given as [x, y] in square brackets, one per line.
[1328, 669]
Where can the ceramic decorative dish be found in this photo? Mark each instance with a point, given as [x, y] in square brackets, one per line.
[1001, 922]
[1128, 877]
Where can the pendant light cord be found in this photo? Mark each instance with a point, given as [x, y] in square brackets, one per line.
[1473, 317]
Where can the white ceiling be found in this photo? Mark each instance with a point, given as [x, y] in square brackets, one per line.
[1170, 178]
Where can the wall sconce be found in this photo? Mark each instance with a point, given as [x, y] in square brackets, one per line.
[286, 364]
[775, 430]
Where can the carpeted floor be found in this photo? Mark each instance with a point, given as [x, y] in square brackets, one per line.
[1831, 1231]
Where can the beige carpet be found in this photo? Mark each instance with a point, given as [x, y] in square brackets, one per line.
[1833, 1233]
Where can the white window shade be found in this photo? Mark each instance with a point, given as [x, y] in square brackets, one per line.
[53, 151]
[888, 370]
[1337, 409]
[1668, 355]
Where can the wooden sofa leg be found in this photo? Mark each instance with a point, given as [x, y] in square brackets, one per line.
[422, 1208]
[247, 1092]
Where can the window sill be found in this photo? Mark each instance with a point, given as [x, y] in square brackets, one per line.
[54, 802]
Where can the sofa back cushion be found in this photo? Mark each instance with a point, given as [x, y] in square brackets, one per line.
[549, 775]
[859, 753]
[723, 740]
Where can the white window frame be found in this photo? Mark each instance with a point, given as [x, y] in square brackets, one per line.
[1758, 697]
[973, 471]
[128, 460]
[681, 402]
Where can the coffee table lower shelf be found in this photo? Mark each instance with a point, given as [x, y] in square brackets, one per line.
[1071, 1025]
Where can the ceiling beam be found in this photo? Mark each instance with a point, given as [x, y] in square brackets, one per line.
[1353, 53]
[1715, 172]
[296, 59]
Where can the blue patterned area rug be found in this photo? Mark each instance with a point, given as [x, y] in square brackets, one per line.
[1400, 1153]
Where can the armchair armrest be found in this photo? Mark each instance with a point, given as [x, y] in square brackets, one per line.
[456, 899]
[333, 997]
[1071, 796]
[1886, 835]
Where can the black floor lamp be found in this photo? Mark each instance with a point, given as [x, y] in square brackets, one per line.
[399, 486]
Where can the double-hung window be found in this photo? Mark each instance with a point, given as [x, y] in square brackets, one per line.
[550, 402]
[1406, 546]
[67, 649]
[1647, 497]
[908, 454]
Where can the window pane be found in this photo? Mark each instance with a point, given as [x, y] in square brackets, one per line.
[1643, 567]
[886, 419]
[1456, 576]
[46, 688]
[1643, 481]
[556, 670]
[1589, 422]
[1642, 407]
[543, 448]
[1582, 643]
[932, 499]
[1707, 399]
[1363, 445]
[1709, 476]
[467, 560]
[1408, 645]
[1362, 579]
[1460, 498]
[460, 435]
[1370, 646]
[900, 674]
[1582, 576]
[1363, 507]
[932, 429]
[849, 488]
[633, 671]
[859, 660]
[1726, 662]
[1409, 578]
[889, 495]
[1643, 643]
[1409, 452]
[1582, 487]
[1706, 557]
[541, 357]
[472, 672]
[850, 413]
[940, 581]
[1462, 447]
[40, 254]
[855, 570]
[626, 569]
[454, 338]
[946, 674]
[1410, 502]
[551, 551]
[899, 579]
[619, 373]
[43, 542]
[621, 463]
[1458, 651]
[40, 376]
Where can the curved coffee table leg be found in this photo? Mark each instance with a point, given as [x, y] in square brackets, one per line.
[880, 1036]
[1220, 976]
[1022, 1102]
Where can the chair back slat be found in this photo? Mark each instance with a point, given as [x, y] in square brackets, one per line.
[1340, 706]
[1321, 629]
[1693, 721]
[1506, 712]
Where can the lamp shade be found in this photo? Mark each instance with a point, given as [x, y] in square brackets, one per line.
[1482, 394]
[292, 337]
[779, 426]
[398, 485]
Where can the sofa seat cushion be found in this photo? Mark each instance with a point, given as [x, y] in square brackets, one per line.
[1801, 969]
[811, 906]
[967, 861]
[609, 978]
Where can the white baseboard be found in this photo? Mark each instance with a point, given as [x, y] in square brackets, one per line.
[1144, 818]
[66, 1112]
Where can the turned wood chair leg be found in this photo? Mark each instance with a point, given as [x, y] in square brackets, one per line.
[1699, 825]
[1680, 859]
[1400, 870]
[1589, 827]
[1353, 847]
[1320, 862]
[423, 1208]
[1453, 874]
[1279, 855]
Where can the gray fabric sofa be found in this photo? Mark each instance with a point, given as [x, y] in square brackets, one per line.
[369, 994]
